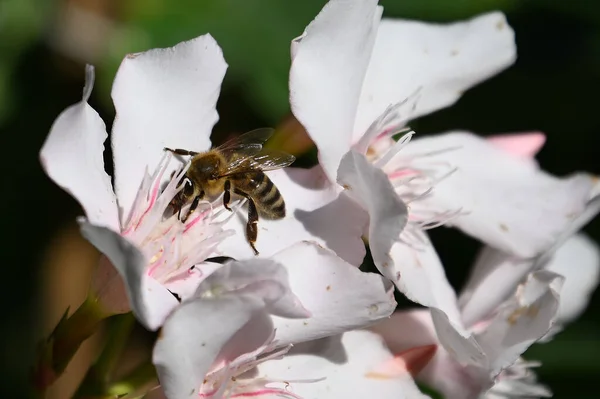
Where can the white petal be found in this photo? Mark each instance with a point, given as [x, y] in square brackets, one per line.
[522, 320]
[418, 273]
[347, 369]
[578, 261]
[314, 211]
[462, 345]
[163, 98]
[192, 339]
[150, 301]
[495, 276]
[507, 202]
[329, 64]
[371, 188]
[338, 295]
[264, 278]
[433, 63]
[72, 157]
[186, 287]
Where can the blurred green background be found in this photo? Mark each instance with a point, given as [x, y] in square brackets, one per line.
[44, 44]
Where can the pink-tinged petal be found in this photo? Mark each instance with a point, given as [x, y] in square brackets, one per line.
[163, 98]
[507, 202]
[371, 188]
[419, 274]
[578, 261]
[314, 211]
[72, 158]
[407, 330]
[328, 67]
[264, 278]
[150, 301]
[525, 145]
[194, 336]
[338, 295]
[342, 367]
[431, 65]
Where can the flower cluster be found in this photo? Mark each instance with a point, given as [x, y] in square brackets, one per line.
[301, 320]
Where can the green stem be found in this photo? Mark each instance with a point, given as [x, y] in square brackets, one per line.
[141, 377]
[58, 350]
[118, 335]
[100, 374]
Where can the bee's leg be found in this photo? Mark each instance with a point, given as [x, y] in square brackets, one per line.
[179, 151]
[227, 194]
[193, 207]
[252, 225]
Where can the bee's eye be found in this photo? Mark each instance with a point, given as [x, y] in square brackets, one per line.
[188, 188]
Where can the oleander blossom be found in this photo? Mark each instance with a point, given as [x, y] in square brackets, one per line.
[167, 98]
[173, 253]
[356, 80]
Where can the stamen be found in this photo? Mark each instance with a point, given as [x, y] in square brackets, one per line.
[171, 246]
[391, 116]
[229, 379]
[394, 150]
[519, 381]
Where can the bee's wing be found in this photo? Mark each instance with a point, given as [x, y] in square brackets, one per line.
[247, 144]
[265, 160]
[241, 149]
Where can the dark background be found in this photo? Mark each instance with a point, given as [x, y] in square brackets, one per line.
[553, 87]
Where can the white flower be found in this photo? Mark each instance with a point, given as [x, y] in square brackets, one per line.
[356, 364]
[484, 353]
[166, 98]
[248, 313]
[356, 80]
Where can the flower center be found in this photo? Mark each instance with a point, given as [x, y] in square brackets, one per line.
[233, 380]
[413, 177]
[172, 247]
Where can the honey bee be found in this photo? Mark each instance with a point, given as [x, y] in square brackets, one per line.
[237, 166]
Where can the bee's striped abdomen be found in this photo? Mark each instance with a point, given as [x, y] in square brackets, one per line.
[267, 197]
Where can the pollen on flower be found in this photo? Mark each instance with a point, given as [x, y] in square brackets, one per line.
[156, 257]
[172, 247]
